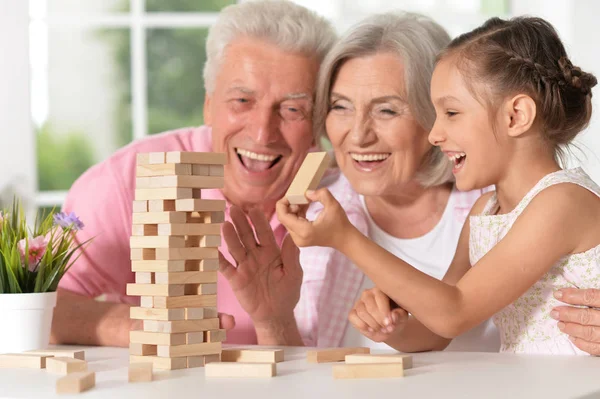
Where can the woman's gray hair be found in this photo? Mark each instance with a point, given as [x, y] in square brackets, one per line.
[289, 26]
[417, 40]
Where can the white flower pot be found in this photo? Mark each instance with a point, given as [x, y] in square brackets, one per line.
[26, 320]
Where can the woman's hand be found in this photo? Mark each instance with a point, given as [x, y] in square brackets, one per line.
[375, 318]
[327, 230]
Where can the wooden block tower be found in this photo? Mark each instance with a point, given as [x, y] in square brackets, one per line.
[175, 236]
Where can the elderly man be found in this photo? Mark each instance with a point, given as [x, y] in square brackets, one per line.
[262, 63]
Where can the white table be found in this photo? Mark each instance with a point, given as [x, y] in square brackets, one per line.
[443, 375]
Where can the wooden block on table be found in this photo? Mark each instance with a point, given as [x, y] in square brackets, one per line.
[171, 193]
[186, 301]
[368, 370]
[24, 360]
[200, 170]
[144, 230]
[252, 370]
[140, 372]
[333, 355]
[204, 348]
[159, 217]
[215, 335]
[164, 363]
[155, 289]
[308, 177]
[200, 289]
[186, 253]
[210, 241]
[72, 353]
[252, 355]
[201, 361]
[167, 169]
[406, 360]
[216, 170]
[180, 326]
[138, 349]
[198, 205]
[158, 266]
[157, 242]
[161, 205]
[65, 365]
[202, 158]
[154, 338]
[140, 206]
[186, 277]
[189, 229]
[76, 382]
[183, 181]
[142, 254]
[144, 313]
[144, 278]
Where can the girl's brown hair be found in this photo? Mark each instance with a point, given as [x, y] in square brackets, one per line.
[526, 55]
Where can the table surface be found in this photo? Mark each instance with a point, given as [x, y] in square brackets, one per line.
[434, 375]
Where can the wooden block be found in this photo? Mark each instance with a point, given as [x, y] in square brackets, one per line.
[142, 254]
[206, 217]
[154, 338]
[159, 217]
[142, 349]
[144, 313]
[75, 354]
[76, 382]
[157, 242]
[65, 365]
[140, 206]
[200, 170]
[171, 193]
[406, 360]
[368, 370]
[140, 372]
[180, 326]
[215, 336]
[201, 361]
[252, 355]
[216, 170]
[167, 169]
[180, 181]
[142, 158]
[198, 205]
[186, 278]
[210, 241]
[156, 158]
[235, 370]
[194, 313]
[144, 230]
[200, 289]
[186, 301]
[204, 348]
[155, 289]
[333, 355]
[24, 360]
[189, 229]
[194, 338]
[212, 358]
[207, 265]
[147, 301]
[164, 363]
[308, 177]
[161, 205]
[144, 278]
[186, 253]
[210, 313]
[202, 158]
[159, 266]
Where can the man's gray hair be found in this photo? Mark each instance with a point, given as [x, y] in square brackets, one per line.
[417, 40]
[289, 26]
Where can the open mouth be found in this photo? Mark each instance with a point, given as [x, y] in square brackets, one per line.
[256, 162]
[368, 161]
[458, 159]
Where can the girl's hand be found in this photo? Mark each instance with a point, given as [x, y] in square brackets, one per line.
[327, 230]
[374, 317]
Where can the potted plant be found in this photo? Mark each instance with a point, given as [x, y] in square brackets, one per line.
[32, 262]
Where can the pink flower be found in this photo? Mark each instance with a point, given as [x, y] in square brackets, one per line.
[37, 248]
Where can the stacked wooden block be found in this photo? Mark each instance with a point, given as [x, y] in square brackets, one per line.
[175, 236]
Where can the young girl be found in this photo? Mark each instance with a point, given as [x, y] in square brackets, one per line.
[506, 97]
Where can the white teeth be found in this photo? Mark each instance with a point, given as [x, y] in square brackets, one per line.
[456, 156]
[369, 157]
[253, 155]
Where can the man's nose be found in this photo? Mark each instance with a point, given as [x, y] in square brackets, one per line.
[264, 125]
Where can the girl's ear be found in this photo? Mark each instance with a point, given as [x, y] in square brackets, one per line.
[519, 113]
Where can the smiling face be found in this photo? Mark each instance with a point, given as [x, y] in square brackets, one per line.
[464, 131]
[378, 144]
[260, 114]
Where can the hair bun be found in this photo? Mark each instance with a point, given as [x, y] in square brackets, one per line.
[575, 77]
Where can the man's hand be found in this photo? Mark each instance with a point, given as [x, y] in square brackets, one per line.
[581, 324]
[267, 279]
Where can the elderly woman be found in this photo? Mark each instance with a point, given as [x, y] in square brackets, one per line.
[373, 105]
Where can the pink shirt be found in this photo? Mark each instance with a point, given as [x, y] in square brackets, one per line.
[103, 198]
